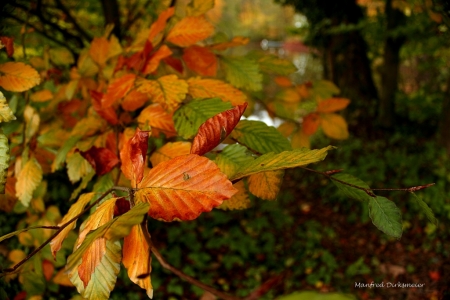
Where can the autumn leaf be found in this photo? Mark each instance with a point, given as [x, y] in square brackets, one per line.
[287, 128]
[41, 96]
[242, 73]
[236, 41]
[134, 100]
[169, 151]
[159, 120]
[240, 200]
[189, 117]
[272, 64]
[27, 181]
[199, 7]
[184, 187]
[167, 90]
[99, 50]
[332, 105]
[6, 113]
[133, 156]
[153, 62]
[260, 137]
[216, 129]
[108, 113]
[300, 140]
[77, 167]
[75, 209]
[289, 95]
[210, 88]
[200, 60]
[266, 185]
[160, 24]
[18, 77]
[137, 259]
[189, 31]
[311, 123]
[232, 158]
[279, 161]
[334, 126]
[102, 160]
[283, 81]
[117, 89]
[7, 42]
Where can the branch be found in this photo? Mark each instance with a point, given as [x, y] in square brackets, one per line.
[80, 30]
[61, 228]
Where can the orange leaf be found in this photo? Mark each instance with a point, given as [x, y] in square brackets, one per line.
[18, 77]
[75, 209]
[210, 88]
[153, 62]
[41, 96]
[94, 254]
[47, 268]
[189, 31]
[310, 123]
[236, 41]
[160, 23]
[109, 114]
[134, 100]
[137, 259]
[133, 156]
[118, 88]
[200, 60]
[289, 95]
[160, 121]
[332, 105]
[99, 50]
[216, 129]
[283, 81]
[169, 151]
[304, 90]
[167, 90]
[8, 42]
[184, 187]
[334, 126]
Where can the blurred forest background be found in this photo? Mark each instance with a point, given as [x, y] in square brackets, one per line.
[391, 58]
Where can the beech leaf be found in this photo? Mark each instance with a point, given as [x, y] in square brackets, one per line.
[200, 60]
[240, 200]
[311, 123]
[117, 89]
[266, 185]
[332, 105]
[158, 26]
[133, 156]
[210, 88]
[334, 126]
[159, 120]
[28, 180]
[232, 158]
[18, 77]
[386, 216]
[190, 30]
[184, 187]
[242, 72]
[216, 129]
[169, 151]
[6, 113]
[102, 160]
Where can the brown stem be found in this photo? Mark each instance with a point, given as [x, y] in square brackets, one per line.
[61, 228]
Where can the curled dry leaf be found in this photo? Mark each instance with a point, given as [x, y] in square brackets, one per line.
[133, 155]
[184, 187]
[216, 129]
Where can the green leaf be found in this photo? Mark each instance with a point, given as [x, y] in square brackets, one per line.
[114, 230]
[62, 153]
[386, 216]
[274, 65]
[260, 137]
[311, 295]
[323, 89]
[4, 161]
[104, 183]
[349, 191]
[14, 233]
[242, 72]
[425, 209]
[189, 117]
[77, 167]
[232, 158]
[283, 160]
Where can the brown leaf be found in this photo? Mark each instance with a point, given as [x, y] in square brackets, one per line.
[102, 160]
[216, 129]
[8, 42]
[133, 156]
[184, 187]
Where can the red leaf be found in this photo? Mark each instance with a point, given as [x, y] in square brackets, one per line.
[133, 156]
[310, 123]
[102, 160]
[122, 206]
[9, 44]
[139, 59]
[216, 129]
[200, 60]
[109, 114]
[175, 63]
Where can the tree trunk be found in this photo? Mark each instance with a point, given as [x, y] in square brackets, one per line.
[390, 69]
[112, 16]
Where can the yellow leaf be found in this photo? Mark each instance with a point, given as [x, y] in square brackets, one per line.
[159, 120]
[300, 140]
[167, 90]
[210, 88]
[159, 25]
[99, 50]
[27, 181]
[6, 113]
[18, 77]
[266, 185]
[75, 209]
[61, 278]
[334, 126]
[332, 105]
[61, 56]
[189, 31]
[289, 95]
[86, 65]
[169, 151]
[41, 96]
[77, 167]
[240, 200]
[32, 121]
